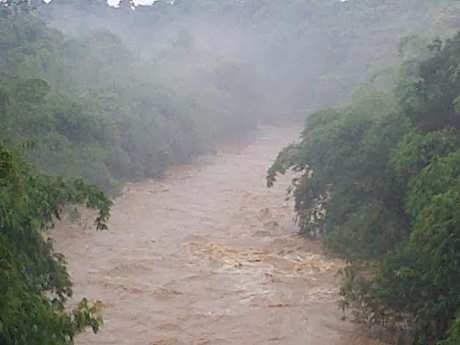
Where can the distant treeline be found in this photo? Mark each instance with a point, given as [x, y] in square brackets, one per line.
[295, 55]
[112, 95]
[91, 108]
[380, 184]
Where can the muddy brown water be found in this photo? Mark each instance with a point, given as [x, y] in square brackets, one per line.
[207, 255]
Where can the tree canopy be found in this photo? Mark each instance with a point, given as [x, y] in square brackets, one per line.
[385, 172]
[34, 283]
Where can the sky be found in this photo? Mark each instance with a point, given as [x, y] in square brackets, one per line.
[138, 2]
[116, 2]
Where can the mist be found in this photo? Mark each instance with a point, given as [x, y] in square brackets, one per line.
[286, 55]
[223, 172]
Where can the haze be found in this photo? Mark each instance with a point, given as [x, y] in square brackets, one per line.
[229, 172]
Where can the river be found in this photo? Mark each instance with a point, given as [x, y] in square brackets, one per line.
[207, 255]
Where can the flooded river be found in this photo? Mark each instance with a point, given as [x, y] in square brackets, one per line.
[207, 255]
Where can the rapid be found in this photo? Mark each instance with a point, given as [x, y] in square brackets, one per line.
[207, 255]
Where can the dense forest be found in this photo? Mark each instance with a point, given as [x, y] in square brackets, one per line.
[93, 96]
[115, 94]
[379, 183]
[93, 109]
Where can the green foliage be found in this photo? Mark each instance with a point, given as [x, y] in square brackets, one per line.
[387, 179]
[435, 179]
[34, 283]
[429, 89]
[95, 110]
[343, 159]
[454, 333]
[416, 151]
[136, 91]
[115, 94]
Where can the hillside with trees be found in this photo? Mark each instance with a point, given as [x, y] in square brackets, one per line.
[115, 94]
[95, 110]
[307, 54]
[379, 183]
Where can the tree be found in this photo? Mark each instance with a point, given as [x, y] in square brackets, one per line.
[386, 177]
[34, 283]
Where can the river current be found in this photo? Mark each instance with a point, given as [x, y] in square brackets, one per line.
[207, 255]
